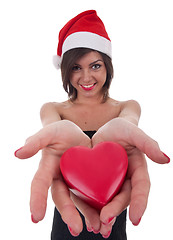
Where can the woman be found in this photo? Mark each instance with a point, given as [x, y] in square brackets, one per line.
[88, 117]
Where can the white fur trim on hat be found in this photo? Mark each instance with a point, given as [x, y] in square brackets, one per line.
[87, 40]
[57, 61]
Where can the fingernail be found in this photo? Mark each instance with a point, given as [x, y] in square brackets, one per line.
[109, 220]
[96, 231]
[137, 223]
[15, 154]
[72, 232]
[167, 157]
[107, 235]
[89, 229]
[33, 220]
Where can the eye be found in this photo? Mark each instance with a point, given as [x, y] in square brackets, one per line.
[75, 68]
[96, 66]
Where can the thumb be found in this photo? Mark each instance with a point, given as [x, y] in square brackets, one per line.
[35, 143]
[148, 146]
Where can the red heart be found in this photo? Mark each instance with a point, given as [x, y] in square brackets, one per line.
[95, 174]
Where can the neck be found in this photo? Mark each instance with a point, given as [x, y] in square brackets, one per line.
[89, 100]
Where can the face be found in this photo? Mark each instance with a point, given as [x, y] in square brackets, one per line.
[89, 75]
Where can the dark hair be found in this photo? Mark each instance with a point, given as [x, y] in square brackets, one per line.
[69, 59]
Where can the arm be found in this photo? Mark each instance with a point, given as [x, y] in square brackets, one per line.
[129, 114]
[130, 111]
[49, 114]
[135, 190]
[53, 139]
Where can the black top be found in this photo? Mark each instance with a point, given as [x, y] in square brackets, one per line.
[60, 230]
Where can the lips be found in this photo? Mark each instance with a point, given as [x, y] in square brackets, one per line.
[88, 87]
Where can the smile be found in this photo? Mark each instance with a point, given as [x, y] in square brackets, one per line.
[88, 87]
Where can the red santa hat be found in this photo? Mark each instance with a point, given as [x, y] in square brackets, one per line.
[85, 30]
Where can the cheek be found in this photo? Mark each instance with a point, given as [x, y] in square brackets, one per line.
[104, 73]
[103, 76]
[72, 80]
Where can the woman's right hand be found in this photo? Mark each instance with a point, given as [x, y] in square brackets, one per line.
[54, 140]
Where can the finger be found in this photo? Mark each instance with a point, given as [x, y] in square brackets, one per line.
[36, 142]
[147, 145]
[91, 215]
[48, 169]
[106, 229]
[113, 209]
[118, 204]
[66, 207]
[52, 135]
[38, 198]
[140, 186]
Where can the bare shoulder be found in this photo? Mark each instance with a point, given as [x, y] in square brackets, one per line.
[130, 110]
[114, 103]
[132, 104]
[124, 104]
[54, 106]
[49, 106]
[51, 112]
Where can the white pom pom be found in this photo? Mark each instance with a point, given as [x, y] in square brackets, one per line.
[57, 61]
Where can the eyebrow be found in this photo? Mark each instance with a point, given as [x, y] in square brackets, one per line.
[95, 62]
[99, 60]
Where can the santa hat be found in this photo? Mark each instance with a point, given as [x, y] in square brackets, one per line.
[85, 30]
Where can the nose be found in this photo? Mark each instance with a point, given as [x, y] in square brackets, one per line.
[86, 75]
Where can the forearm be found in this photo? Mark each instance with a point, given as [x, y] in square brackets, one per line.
[49, 114]
[130, 119]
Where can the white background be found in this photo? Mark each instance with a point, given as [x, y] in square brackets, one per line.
[142, 38]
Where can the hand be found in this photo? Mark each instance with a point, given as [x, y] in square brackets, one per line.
[130, 137]
[136, 187]
[54, 143]
[54, 139]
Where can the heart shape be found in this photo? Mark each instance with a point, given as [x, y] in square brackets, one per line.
[95, 174]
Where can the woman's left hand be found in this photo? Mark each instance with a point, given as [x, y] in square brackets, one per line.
[136, 187]
[135, 192]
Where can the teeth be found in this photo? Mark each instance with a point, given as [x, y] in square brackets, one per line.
[88, 86]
